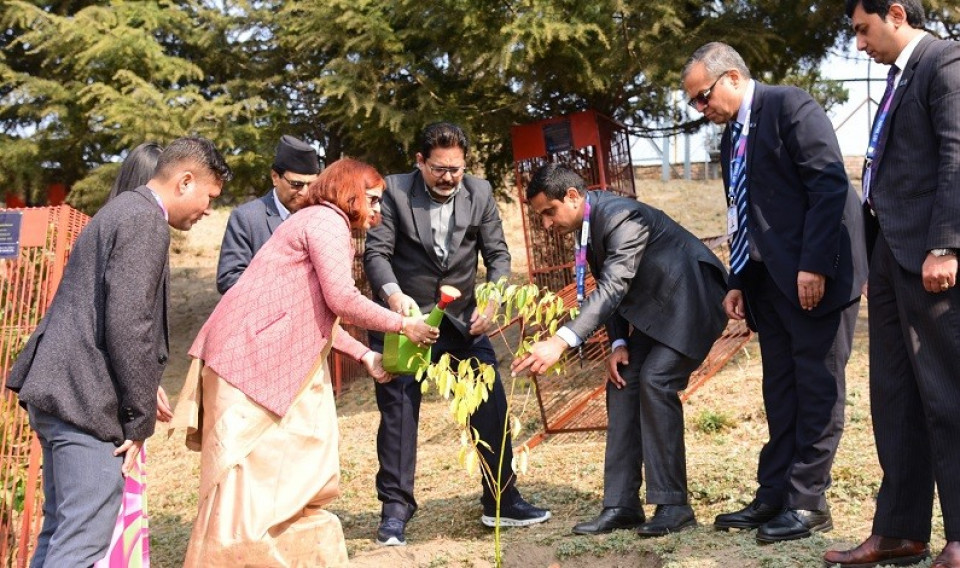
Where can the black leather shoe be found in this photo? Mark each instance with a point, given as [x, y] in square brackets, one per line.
[609, 520]
[750, 517]
[668, 519]
[792, 524]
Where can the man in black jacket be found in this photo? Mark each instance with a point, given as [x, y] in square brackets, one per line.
[659, 292]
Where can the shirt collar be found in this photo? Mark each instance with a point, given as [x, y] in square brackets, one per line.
[747, 102]
[166, 215]
[284, 212]
[907, 52]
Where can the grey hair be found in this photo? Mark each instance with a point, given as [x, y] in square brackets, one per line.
[717, 58]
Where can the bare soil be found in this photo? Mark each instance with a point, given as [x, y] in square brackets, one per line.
[565, 472]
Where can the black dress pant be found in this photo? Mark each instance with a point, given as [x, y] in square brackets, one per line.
[914, 399]
[804, 362]
[645, 427]
[399, 405]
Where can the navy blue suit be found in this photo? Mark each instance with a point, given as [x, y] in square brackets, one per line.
[249, 226]
[803, 215]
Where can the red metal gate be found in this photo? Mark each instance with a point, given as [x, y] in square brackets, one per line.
[27, 286]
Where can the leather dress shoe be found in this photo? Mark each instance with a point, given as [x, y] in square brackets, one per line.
[750, 517]
[792, 524]
[611, 519]
[879, 551]
[950, 557]
[668, 519]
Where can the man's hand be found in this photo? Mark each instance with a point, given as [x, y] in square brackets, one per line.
[402, 304]
[132, 449]
[733, 305]
[619, 356]
[373, 361]
[480, 324]
[939, 273]
[164, 412]
[810, 286]
[542, 356]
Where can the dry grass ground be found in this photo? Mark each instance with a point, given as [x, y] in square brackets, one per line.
[724, 423]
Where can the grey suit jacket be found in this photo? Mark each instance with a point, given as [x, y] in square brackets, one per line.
[97, 356]
[400, 249]
[249, 226]
[916, 188]
[651, 274]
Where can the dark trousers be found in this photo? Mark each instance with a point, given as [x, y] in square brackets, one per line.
[645, 427]
[914, 399]
[399, 405]
[804, 391]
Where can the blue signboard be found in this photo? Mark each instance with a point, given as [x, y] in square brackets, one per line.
[10, 234]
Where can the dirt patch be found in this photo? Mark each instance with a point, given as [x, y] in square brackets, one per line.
[566, 471]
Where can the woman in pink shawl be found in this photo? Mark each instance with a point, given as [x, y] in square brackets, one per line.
[261, 389]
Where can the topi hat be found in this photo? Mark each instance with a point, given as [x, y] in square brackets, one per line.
[295, 156]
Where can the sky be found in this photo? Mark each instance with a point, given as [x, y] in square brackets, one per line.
[851, 120]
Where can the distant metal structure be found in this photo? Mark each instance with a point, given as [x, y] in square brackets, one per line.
[27, 286]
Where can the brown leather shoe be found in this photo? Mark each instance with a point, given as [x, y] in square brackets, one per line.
[950, 557]
[880, 551]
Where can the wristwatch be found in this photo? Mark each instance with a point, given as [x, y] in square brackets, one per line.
[943, 252]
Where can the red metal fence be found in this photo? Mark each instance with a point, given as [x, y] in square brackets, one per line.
[27, 286]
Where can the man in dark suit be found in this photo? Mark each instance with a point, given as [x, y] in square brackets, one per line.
[436, 221]
[912, 189]
[89, 374]
[295, 166]
[798, 264]
[660, 292]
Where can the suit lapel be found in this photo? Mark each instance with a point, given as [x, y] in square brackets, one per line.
[725, 158]
[905, 79]
[420, 203]
[273, 214]
[596, 254]
[755, 114]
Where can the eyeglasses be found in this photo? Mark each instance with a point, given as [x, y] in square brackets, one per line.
[438, 171]
[295, 184]
[703, 97]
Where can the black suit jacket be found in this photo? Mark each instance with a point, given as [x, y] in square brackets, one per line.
[400, 249]
[249, 226]
[916, 187]
[651, 274]
[97, 356]
[803, 212]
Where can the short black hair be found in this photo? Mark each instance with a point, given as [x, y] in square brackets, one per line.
[914, 9]
[442, 135]
[553, 180]
[195, 149]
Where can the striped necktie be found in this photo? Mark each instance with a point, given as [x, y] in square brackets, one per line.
[739, 248]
